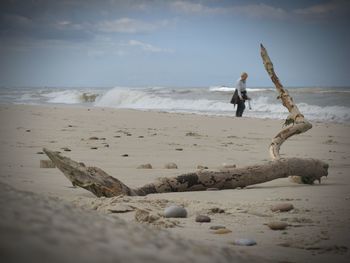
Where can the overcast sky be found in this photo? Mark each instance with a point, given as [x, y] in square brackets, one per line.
[172, 43]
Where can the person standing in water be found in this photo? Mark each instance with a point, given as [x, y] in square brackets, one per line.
[240, 95]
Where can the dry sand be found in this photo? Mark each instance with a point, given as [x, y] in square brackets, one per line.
[318, 228]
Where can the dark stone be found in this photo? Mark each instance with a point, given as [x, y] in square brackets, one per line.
[203, 219]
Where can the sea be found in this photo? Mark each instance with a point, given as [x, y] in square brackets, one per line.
[322, 104]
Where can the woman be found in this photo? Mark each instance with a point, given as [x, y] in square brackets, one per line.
[240, 95]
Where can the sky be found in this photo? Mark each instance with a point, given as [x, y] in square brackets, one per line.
[107, 43]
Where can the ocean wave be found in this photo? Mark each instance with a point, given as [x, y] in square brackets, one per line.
[209, 101]
[261, 106]
[136, 99]
[71, 97]
[232, 89]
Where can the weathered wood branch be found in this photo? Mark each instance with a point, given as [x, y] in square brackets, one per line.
[299, 123]
[92, 179]
[100, 183]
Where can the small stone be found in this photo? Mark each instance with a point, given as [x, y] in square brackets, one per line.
[47, 164]
[222, 231]
[175, 211]
[217, 210]
[28, 130]
[170, 166]
[216, 227]
[120, 208]
[93, 148]
[277, 225]
[179, 149]
[283, 207]
[192, 134]
[40, 153]
[145, 166]
[125, 155]
[202, 167]
[203, 219]
[106, 145]
[244, 242]
[93, 138]
[66, 149]
[141, 136]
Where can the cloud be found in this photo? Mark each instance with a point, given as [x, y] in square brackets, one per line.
[193, 8]
[253, 10]
[260, 11]
[128, 25]
[325, 10]
[148, 47]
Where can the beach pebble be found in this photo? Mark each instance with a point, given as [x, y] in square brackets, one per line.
[47, 164]
[170, 166]
[203, 219]
[28, 130]
[93, 148]
[66, 149]
[145, 166]
[217, 210]
[125, 155]
[120, 208]
[216, 227]
[93, 138]
[283, 207]
[277, 225]
[201, 167]
[179, 149]
[222, 231]
[175, 211]
[244, 242]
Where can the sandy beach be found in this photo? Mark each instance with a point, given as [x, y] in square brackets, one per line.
[104, 229]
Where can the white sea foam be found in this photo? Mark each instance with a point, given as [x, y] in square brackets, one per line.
[70, 97]
[135, 99]
[232, 89]
[210, 101]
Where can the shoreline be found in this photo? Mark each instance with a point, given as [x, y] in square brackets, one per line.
[81, 105]
[318, 226]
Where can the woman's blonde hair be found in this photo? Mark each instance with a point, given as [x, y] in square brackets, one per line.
[244, 74]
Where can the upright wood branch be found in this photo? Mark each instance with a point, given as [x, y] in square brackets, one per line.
[299, 123]
[100, 183]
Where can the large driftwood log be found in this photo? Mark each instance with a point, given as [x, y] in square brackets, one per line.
[100, 183]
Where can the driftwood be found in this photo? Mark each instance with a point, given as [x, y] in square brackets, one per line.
[100, 183]
[299, 123]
